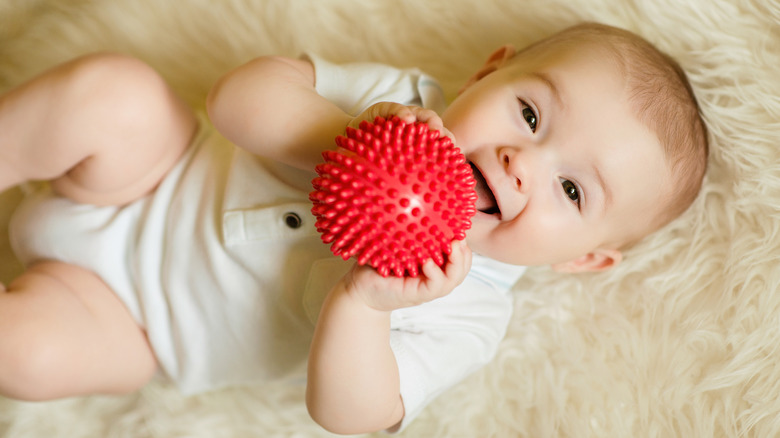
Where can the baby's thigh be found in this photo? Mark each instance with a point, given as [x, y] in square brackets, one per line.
[136, 126]
[64, 333]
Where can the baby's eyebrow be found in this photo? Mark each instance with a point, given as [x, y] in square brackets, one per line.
[550, 84]
[602, 183]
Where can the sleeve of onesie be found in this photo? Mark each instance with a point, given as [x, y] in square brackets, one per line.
[439, 343]
[354, 87]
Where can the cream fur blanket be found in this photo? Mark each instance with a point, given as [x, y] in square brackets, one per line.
[682, 340]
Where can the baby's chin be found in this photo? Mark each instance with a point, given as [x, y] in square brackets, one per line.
[478, 236]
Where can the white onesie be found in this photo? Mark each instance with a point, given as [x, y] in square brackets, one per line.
[223, 268]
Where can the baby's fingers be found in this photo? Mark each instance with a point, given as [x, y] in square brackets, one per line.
[459, 261]
[385, 110]
[432, 119]
[451, 274]
[408, 114]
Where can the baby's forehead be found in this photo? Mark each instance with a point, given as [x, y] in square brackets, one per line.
[598, 50]
[569, 71]
[571, 66]
[641, 179]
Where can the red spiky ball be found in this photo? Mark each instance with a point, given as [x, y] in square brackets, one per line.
[393, 195]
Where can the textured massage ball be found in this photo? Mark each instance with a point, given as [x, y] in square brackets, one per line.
[393, 195]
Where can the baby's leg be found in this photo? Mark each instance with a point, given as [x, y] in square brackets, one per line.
[64, 333]
[105, 128]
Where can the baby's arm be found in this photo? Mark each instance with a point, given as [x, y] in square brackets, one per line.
[270, 107]
[353, 381]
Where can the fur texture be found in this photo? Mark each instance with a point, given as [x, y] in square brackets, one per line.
[682, 340]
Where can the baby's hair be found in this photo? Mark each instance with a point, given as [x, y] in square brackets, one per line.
[663, 100]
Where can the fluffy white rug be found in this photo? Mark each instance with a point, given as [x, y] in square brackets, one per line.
[683, 340]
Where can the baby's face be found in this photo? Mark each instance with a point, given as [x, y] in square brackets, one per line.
[564, 169]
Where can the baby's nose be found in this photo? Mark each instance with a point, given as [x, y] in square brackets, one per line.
[514, 167]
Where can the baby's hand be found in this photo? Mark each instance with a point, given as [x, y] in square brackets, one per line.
[408, 114]
[389, 293]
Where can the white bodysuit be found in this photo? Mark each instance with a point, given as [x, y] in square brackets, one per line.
[223, 268]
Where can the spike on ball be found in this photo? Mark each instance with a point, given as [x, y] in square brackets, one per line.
[393, 195]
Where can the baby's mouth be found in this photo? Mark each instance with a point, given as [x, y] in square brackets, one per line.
[486, 200]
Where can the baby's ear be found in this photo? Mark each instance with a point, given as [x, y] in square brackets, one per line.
[598, 260]
[494, 61]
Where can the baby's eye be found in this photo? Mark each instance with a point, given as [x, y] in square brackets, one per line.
[571, 191]
[529, 116]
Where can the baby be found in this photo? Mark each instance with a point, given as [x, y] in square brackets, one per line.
[162, 248]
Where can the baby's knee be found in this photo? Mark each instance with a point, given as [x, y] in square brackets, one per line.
[117, 75]
[120, 87]
[131, 98]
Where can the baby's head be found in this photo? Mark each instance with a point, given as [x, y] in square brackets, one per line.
[582, 144]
